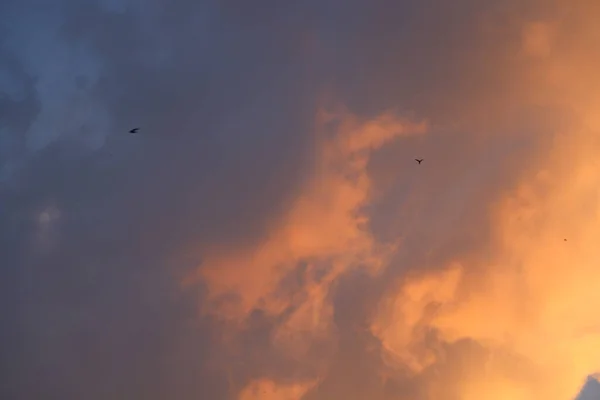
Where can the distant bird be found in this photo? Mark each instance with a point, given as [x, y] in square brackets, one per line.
[419, 160]
[134, 130]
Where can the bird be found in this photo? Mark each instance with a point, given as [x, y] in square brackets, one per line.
[134, 130]
[419, 160]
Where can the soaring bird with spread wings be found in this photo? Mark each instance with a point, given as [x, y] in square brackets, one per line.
[134, 130]
[419, 160]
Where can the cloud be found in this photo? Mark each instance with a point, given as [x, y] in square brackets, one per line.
[289, 275]
[322, 227]
[528, 297]
[265, 389]
[537, 39]
[104, 298]
[589, 390]
[319, 260]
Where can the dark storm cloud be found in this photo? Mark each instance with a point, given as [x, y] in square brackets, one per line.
[224, 103]
[221, 100]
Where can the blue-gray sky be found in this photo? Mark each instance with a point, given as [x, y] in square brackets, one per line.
[267, 234]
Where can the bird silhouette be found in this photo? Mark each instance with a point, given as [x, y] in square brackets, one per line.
[419, 160]
[134, 130]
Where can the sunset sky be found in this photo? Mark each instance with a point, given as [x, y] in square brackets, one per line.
[268, 235]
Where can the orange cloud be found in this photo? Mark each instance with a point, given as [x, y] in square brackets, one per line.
[323, 234]
[324, 227]
[528, 296]
[538, 39]
[535, 295]
[538, 295]
[265, 389]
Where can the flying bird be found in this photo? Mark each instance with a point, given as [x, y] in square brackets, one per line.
[134, 130]
[418, 160]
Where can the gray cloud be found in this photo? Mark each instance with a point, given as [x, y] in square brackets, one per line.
[98, 312]
[590, 390]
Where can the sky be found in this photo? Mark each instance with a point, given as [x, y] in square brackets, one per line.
[267, 235]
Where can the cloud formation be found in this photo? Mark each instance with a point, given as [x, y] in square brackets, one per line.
[323, 227]
[268, 235]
